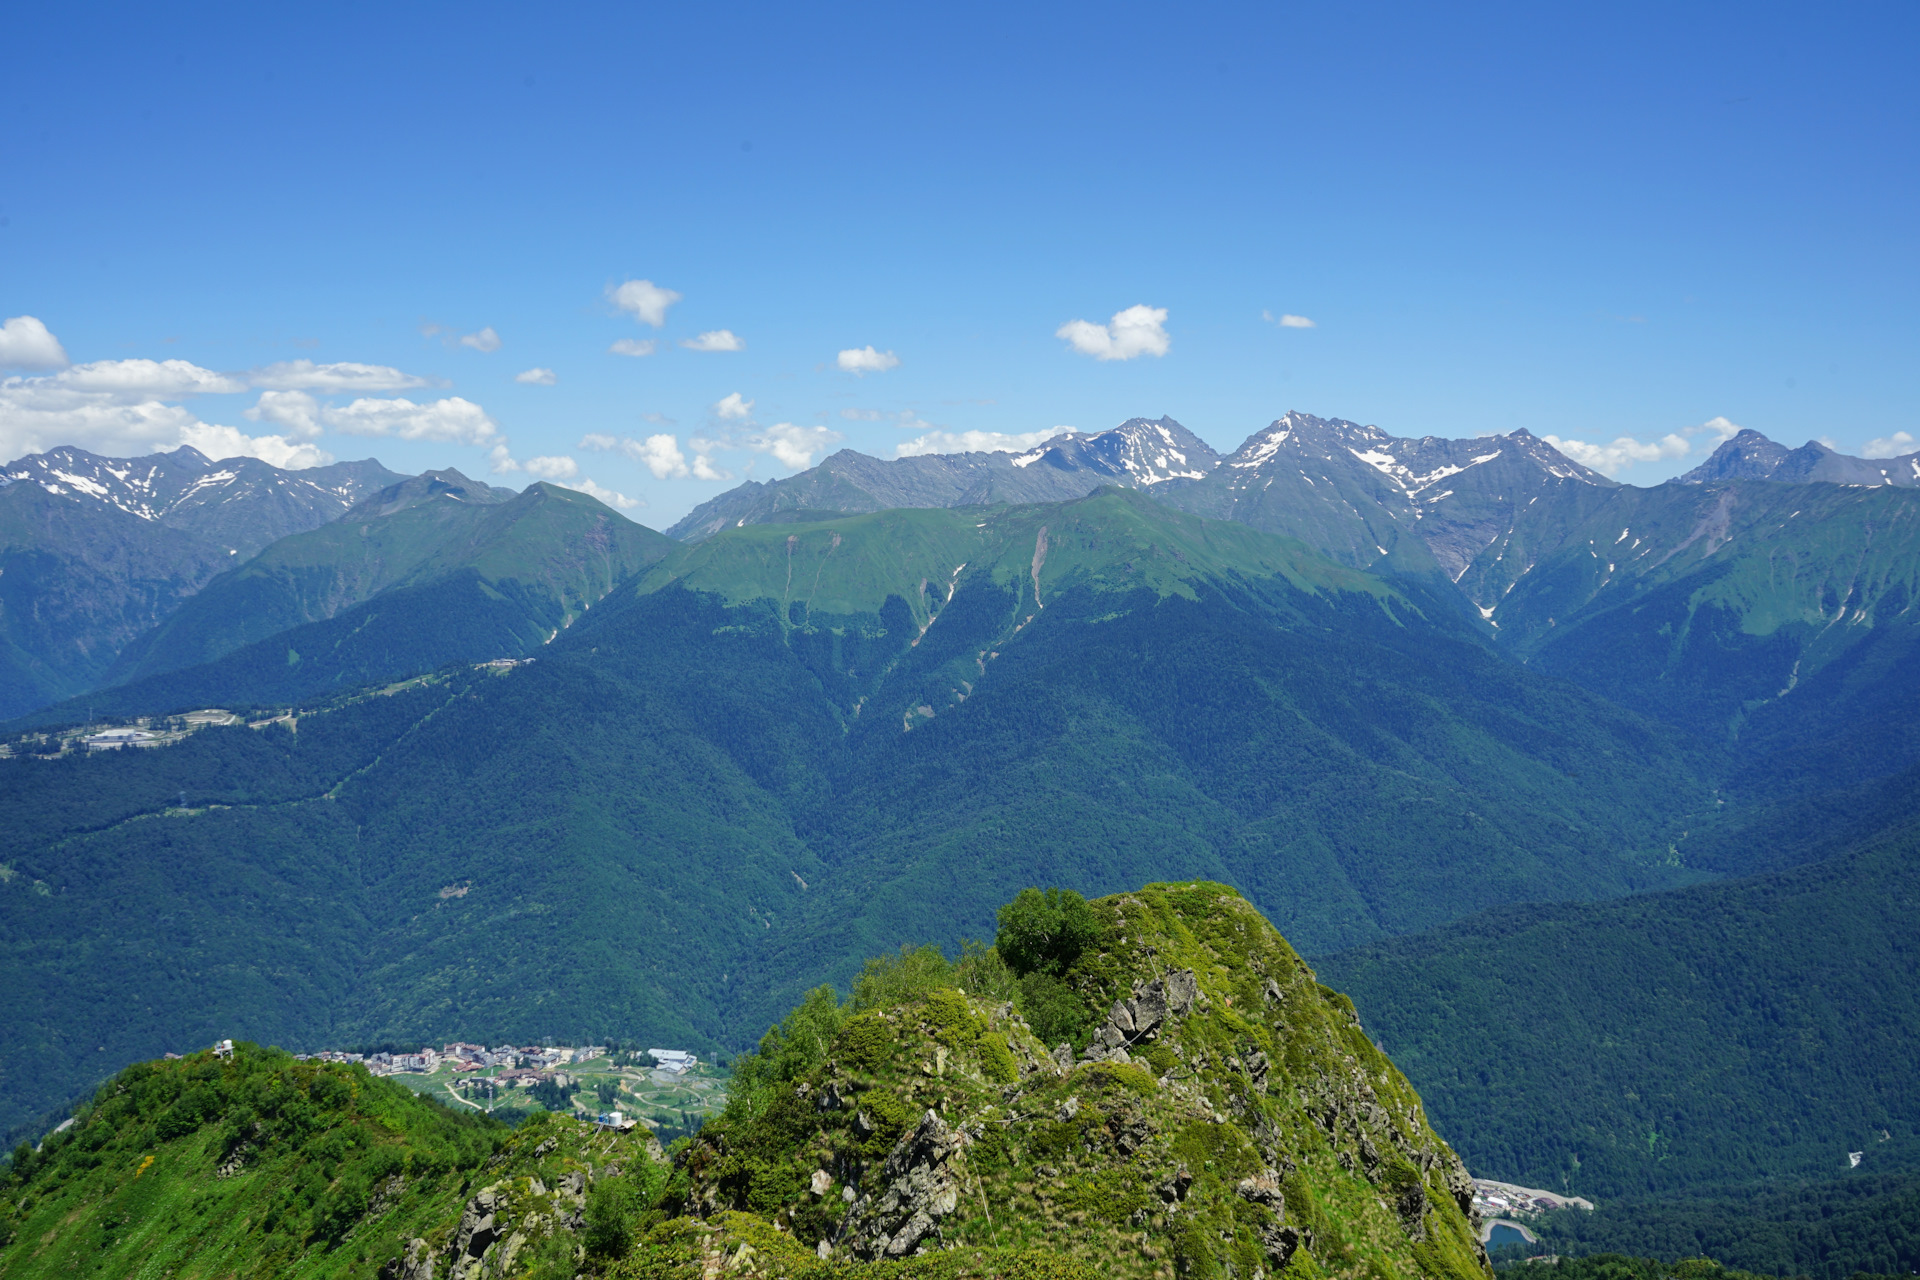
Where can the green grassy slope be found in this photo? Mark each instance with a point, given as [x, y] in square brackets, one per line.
[1776, 615]
[688, 811]
[260, 1165]
[1723, 1034]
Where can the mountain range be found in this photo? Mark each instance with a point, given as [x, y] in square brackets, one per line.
[94, 552]
[1497, 740]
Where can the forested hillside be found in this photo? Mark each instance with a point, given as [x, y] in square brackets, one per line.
[1752, 1030]
[686, 811]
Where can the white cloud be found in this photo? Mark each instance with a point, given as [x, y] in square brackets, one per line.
[553, 468]
[485, 340]
[111, 427]
[793, 446]
[633, 347]
[644, 300]
[1890, 446]
[26, 344]
[1288, 321]
[1137, 331]
[974, 442]
[305, 375]
[661, 455]
[536, 377]
[1719, 427]
[731, 408]
[715, 340]
[864, 360]
[1611, 459]
[231, 442]
[126, 381]
[453, 420]
[297, 411]
[608, 496]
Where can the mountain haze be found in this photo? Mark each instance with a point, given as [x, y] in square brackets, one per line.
[428, 572]
[95, 551]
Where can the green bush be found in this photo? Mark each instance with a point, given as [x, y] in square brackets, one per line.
[913, 974]
[1045, 932]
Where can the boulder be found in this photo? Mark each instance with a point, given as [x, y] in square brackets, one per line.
[918, 1186]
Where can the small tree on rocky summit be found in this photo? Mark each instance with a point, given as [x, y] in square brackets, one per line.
[1045, 932]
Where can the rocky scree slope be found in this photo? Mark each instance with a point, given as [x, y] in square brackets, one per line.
[1227, 1116]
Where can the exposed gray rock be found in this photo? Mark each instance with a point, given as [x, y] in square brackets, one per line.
[919, 1185]
[1139, 1020]
[415, 1264]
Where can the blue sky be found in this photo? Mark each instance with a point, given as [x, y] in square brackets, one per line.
[1593, 222]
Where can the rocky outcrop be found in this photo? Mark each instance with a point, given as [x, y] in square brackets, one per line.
[1140, 1020]
[919, 1185]
[478, 1230]
[415, 1264]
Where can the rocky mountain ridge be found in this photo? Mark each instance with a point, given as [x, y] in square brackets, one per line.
[1748, 455]
[96, 551]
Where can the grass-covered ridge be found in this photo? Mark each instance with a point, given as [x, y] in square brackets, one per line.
[1225, 1114]
[260, 1164]
[1113, 540]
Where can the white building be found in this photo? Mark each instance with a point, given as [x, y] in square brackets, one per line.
[675, 1061]
[114, 739]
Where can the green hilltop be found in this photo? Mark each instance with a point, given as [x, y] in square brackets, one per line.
[1207, 1109]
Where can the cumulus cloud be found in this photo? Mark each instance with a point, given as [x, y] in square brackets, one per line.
[644, 300]
[26, 344]
[485, 340]
[633, 347]
[296, 411]
[661, 454]
[1718, 427]
[1891, 446]
[31, 422]
[118, 408]
[606, 495]
[231, 442]
[732, 408]
[715, 340]
[1288, 321]
[1611, 459]
[536, 377]
[345, 376]
[454, 420]
[130, 380]
[558, 467]
[793, 446]
[974, 442]
[1137, 331]
[865, 360]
